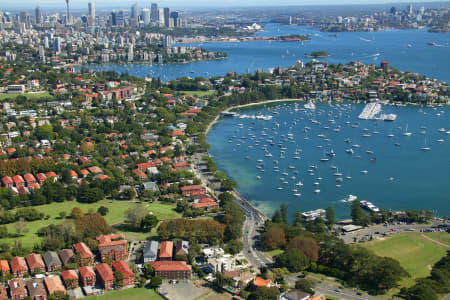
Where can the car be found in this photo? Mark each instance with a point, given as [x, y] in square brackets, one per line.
[249, 251]
[359, 293]
[338, 290]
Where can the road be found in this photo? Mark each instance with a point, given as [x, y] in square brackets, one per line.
[253, 224]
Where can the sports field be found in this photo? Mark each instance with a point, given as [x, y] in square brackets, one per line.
[129, 294]
[414, 252]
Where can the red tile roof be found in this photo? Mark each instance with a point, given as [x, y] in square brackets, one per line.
[29, 177]
[111, 240]
[105, 272]
[83, 250]
[35, 261]
[166, 249]
[86, 271]
[261, 282]
[164, 266]
[18, 264]
[18, 179]
[69, 274]
[122, 267]
[7, 180]
[54, 284]
[4, 266]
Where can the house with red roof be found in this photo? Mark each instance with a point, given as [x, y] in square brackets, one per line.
[180, 166]
[18, 266]
[141, 175]
[95, 170]
[7, 182]
[87, 258]
[206, 204]
[52, 175]
[128, 275]
[176, 133]
[35, 263]
[29, 179]
[105, 276]
[172, 269]
[113, 246]
[258, 282]
[84, 173]
[4, 267]
[166, 250]
[3, 293]
[18, 181]
[193, 190]
[41, 177]
[54, 284]
[70, 279]
[144, 166]
[87, 276]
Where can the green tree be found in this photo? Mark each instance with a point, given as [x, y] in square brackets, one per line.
[294, 260]
[103, 210]
[298, 218]
[155, 282]
[149, 222]
[305, 285]
[421, 292]
[277, 217]
[331, 216]
[284, 213]
[119, 278]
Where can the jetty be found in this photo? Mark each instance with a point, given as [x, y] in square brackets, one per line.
[370, 111]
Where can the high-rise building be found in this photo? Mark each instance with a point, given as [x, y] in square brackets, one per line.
[166, 16]
[117, 18]
[134, 11]
[38, 15]
[410, 9]
[146, 16]
[175, 16]
[154, 14]
[41, 54]
[130, 52]
[91, 16]
[160, 17]
[68, 16]
[57, 45]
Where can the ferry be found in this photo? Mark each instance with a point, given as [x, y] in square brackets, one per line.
[369, 206]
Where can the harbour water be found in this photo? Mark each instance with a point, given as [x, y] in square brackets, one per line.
[268, 158]
[368, 47]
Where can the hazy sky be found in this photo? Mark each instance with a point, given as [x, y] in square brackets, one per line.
[56, 4]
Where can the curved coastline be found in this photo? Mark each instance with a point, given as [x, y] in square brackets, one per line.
[239, 197]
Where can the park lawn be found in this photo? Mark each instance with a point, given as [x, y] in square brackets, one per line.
[199, 93]
[116, 215]
[31, 96]
[415, 253]
[128, 294]
[440, 236]
[274, 253]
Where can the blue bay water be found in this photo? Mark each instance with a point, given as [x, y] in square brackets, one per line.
[432, 61]
[402, 177]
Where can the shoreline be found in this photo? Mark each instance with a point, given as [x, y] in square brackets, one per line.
[213, 122]
[235, 193]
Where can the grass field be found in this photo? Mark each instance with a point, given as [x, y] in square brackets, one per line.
[414, 252]
[198, 93]
[31, 96]
[129, 294]
[441, 236]
[116, 215]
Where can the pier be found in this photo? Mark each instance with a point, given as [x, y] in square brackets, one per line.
[370, 111]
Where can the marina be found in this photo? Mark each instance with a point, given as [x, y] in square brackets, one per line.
[311, 158]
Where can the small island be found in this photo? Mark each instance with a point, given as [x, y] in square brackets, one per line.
[295, 37]
[318, 54]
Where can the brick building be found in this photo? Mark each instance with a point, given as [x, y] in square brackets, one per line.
[172, 269]
[35, 263]
[105, 276]
[87, 258]
[19, 266]
[128, 275]
[70, 279]
[166, 250]
[17, 289]
[112, 246]
[87, 276]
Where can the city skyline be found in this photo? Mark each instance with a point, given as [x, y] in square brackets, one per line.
[104, 4]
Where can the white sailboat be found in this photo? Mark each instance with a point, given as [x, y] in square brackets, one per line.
[406, 133]
[425, 147]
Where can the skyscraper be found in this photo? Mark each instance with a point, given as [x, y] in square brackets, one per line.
[154, 13]
[166, 16]
[117, 18]
[38, 15]
[68, 17]
[160, 17]
[410, 9]
[91, 16]
[145, 13]
[57, 45]
[134, 11]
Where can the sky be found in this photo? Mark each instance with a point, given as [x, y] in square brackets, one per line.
[77, 4]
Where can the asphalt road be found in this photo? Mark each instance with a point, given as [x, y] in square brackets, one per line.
[342, 294]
